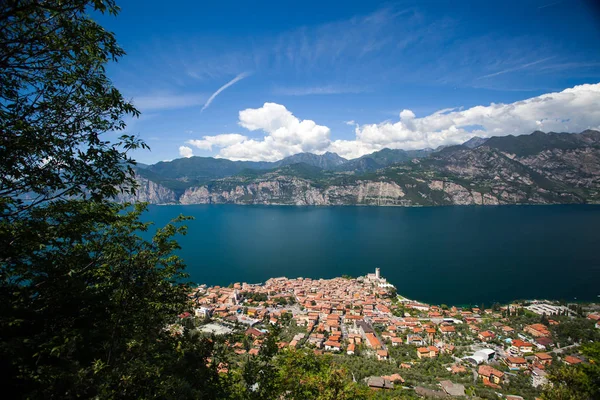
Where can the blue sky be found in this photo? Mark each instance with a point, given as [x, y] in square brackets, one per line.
[335, 76]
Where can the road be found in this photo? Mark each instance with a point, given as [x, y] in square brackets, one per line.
[558, 351]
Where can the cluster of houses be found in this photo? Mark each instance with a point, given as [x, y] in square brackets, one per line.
[521, 356]
[348, 315]
[323, 306]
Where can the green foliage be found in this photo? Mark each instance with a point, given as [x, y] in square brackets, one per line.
[55, 102]
[575, 330]
[85, 303]
[303, 375]
[402, 353]
[580, 382]
[84, 300]
[524, 145]
[521, 384]
[256, 297]
[363, 367]
[294, 374]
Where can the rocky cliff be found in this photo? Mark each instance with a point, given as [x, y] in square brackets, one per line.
[149, 192]
[295, 191]
[530, 169]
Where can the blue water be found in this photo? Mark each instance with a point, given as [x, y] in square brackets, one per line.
[452, 255]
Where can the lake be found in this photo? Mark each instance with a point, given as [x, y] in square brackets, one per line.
[453, 255]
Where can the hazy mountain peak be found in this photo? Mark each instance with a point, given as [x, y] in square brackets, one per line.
[327, 160]
[474, 142]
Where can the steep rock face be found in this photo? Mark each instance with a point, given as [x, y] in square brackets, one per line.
[197, 195]
[460, 195]
[149, 192]
[504, 178]
[295, 191]
[483, 162]
[366, 193]
[578, 167]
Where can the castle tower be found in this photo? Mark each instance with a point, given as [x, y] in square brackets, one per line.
[377, 275]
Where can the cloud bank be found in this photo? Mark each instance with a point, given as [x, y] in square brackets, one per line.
[572, 110]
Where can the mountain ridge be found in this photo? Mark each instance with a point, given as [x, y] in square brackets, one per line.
[540, 168]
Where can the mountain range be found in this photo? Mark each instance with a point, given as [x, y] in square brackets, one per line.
[539, 168]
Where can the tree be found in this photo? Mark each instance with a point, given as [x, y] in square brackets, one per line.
[85, 315]
[303, 375]
[575, 330]
[85, 302]
[55, 103]
[544, 320]
[579, 382]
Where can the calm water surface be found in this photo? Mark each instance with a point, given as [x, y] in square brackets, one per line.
[452, 255]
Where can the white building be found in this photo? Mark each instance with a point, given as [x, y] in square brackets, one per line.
[548, 309]
[538, 377]
[202, 312]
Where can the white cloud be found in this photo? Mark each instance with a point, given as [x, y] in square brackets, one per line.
[572, 110]
[186, 152]
[285, 135]
[225, 86]
[224, 140]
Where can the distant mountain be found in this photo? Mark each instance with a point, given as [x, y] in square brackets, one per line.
[185, 172]
[475, 141]
[323, 161]
[141, 165]
[381, 159]
[526, 145]
[532, 144]
[199, 168]
[540, 168]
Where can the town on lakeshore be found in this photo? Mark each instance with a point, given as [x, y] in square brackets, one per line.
[389, 342]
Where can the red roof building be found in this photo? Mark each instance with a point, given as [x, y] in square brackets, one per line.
[570, 360]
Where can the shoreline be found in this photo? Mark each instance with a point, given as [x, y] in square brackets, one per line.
[405, 300]
[373, 205]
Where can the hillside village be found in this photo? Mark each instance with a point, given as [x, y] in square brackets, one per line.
[393, 344]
